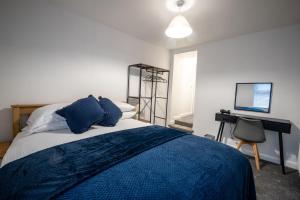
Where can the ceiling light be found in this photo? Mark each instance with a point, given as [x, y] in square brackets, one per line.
[179, 5]
[179, 28]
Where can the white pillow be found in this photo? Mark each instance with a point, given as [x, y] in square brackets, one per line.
[124, 107]
[128, 115]
[45, 119]
[52, 126]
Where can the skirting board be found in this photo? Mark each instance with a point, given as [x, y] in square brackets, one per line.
[272, 159]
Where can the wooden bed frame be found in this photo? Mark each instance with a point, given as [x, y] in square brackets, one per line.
[22, 110]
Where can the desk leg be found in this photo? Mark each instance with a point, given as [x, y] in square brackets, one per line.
[221, 135]
[281, 152]
[220, 132]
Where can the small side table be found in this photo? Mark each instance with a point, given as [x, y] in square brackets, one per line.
[3, 148]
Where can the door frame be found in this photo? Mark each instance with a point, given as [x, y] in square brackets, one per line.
[171, 60]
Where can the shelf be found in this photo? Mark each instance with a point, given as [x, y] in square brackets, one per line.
[138, 97]
[155, 76]
[149, 68]
[160, 117]
[144, 120]
[155, 81]
[147, 97]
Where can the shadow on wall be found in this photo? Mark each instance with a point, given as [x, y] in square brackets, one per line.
[5, 124]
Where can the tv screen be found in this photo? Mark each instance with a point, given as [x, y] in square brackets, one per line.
[254, 97]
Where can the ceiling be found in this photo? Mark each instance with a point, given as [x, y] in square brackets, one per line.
[210, 19]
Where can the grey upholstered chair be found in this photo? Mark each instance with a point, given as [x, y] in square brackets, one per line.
[250, 132]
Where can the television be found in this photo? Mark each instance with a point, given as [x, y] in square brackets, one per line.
[255, 97]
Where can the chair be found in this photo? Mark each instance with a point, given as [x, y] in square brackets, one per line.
[250, 132]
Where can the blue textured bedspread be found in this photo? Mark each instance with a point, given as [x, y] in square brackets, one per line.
[144, 163]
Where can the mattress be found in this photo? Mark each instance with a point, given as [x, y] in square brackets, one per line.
[23, 145]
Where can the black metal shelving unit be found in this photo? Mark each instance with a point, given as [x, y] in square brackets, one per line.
[153, 76]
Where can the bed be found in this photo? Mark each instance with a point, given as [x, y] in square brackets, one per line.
[133, 160]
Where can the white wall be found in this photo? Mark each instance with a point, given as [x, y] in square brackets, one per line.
[50, 55]
[183, 84]
[272, 56]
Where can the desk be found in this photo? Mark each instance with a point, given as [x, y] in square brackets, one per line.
[278, 125]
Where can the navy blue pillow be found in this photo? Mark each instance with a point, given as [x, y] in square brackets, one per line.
[82, 114]
[112, 112]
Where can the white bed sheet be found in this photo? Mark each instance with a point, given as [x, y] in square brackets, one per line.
[24, 145]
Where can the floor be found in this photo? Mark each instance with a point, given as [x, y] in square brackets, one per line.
[271, 184]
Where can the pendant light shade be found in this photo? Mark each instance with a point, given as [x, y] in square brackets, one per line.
[179, 28]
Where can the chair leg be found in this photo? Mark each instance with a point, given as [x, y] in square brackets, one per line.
[256, 155]
[240, 144]
[257, 151]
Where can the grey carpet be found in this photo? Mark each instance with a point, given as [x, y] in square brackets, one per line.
[271, 184]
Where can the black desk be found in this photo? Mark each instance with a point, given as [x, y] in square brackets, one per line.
[278, 125]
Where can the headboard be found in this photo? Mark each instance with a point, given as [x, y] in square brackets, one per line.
[22, 110]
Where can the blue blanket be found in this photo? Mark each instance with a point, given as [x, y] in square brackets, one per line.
[173, 165]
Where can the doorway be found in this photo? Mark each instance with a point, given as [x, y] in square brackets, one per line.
[183, 90]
